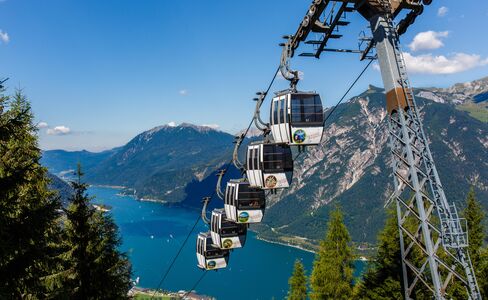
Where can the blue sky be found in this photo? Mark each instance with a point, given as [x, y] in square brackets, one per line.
[100, 72]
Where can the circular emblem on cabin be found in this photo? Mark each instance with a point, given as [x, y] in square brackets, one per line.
[271, 181]
[227, 243]
[299, 136]
[243, 217]
[211, 264]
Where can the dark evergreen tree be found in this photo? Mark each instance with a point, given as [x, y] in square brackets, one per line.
[332, 275]
[95, 269]
[382, 279]
[28, 210]
[298, 283]
[475, 215]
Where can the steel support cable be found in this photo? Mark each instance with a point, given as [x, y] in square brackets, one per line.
[213, 195]
[347, 91]
[342, 99]
[228, 165]
[196, 284]
[325, 120]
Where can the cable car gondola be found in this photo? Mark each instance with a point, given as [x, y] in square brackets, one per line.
[227, 234]
[243, 203]
[269, 166]
[297, 118]
[209, 256]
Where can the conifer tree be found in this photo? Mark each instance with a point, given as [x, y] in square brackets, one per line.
[475, 215]
[95, 269]
[332, 275]
[298, 283]
[382, 279]
[28, 210]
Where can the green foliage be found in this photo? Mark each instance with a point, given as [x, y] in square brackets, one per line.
[95, 269]
[298, 283]
[332, 275]
[475, 215]
[28, 228]
[482, 273]
[382, 279]
[476, 110]
[28, 209]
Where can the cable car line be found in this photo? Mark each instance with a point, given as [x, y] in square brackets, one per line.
[348, 90]
[342, 99]
[195, 285]
[239, 165]
[296, 119]
[174, 258]
[234, 216]
[213, 194]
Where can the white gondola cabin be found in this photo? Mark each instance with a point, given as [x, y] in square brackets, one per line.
[227, 234]
[209, 256]
[269, 166]
[243, 203]
[297, 118]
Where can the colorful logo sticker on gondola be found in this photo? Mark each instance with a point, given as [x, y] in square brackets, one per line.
[243, 217]
[227, 243]
[271, 181]
[299, 136]
[211, 264]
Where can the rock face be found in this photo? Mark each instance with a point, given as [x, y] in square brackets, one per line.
[462, 93]
[352, 165]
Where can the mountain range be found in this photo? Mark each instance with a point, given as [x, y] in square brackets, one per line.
[351, 167]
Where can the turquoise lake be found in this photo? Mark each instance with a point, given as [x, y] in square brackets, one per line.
[152, 234]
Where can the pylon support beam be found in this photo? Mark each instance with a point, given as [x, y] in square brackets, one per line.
[421, 233]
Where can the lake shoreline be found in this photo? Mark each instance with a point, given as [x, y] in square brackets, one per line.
[283, 244]
[152, 233]
[162, 202]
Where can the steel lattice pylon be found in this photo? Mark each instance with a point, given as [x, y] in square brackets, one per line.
[433, 248]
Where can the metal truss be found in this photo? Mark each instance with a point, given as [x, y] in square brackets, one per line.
[433, 247]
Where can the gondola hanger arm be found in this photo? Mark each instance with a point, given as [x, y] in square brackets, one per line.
[258, 122]
[205, 202]
[287, 53]
[218, 187]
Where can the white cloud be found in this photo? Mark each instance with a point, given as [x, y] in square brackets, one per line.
[41, 125]
[183, 92]
[59, 130]
[428, 40]
[376, 66]
[442, 11]
[440, 64]
[213, 126]
[4, 36]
